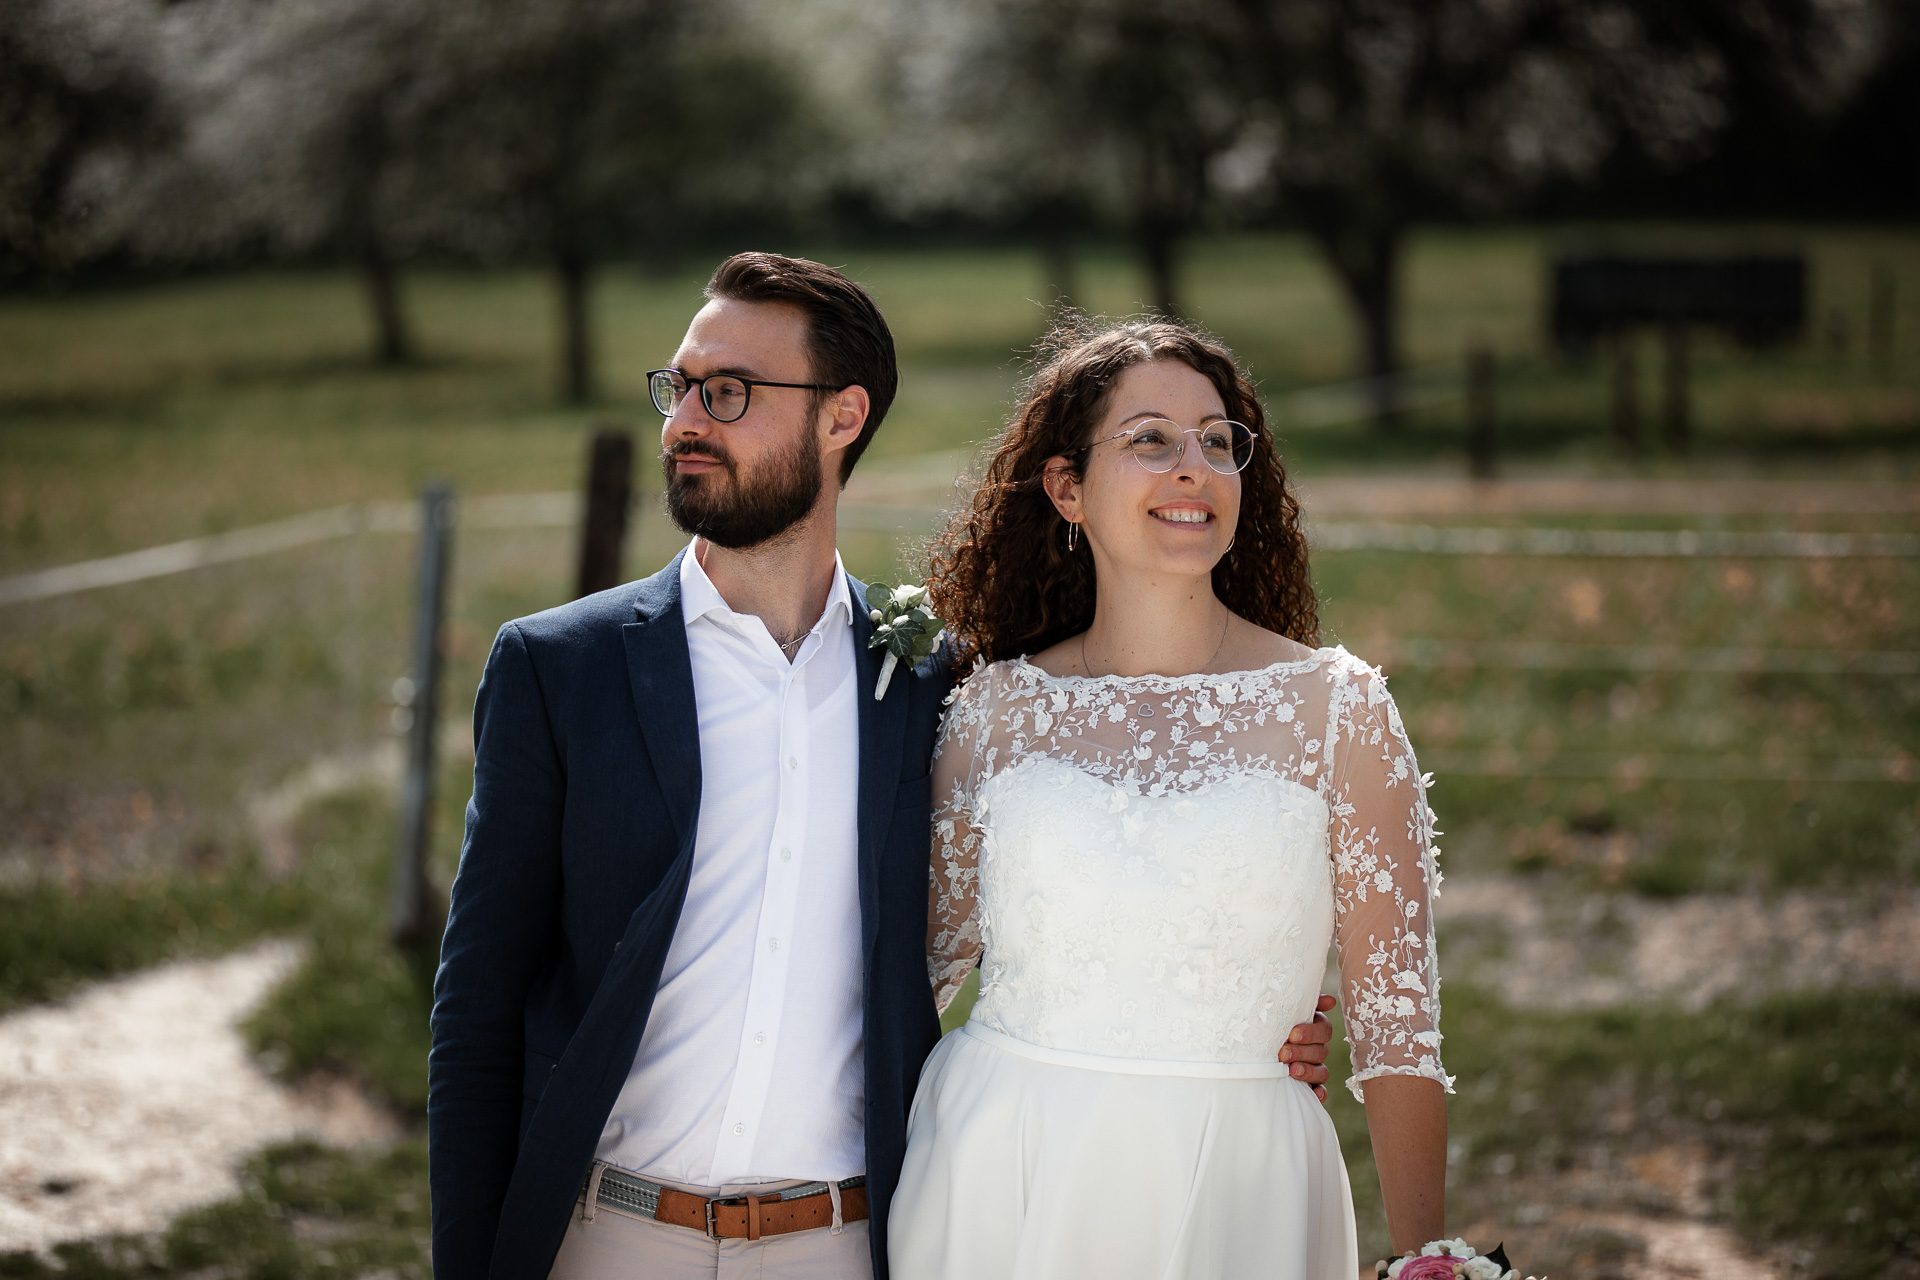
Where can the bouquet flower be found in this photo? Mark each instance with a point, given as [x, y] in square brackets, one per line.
[1447, 1259]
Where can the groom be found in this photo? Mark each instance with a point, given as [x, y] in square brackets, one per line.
[683, 1002]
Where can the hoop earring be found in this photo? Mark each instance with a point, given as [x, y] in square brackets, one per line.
[1073, 534]
[1229, 550]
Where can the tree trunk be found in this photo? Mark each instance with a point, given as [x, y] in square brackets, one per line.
[1159, 240]
[1367, 264]
[392, 345]
[576, 351]
[1056, 267]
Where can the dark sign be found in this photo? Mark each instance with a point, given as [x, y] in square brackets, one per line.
[1758, 300]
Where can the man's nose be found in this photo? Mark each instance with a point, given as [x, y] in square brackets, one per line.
[690, 420]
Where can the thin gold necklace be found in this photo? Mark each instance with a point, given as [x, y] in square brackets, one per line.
[1225, 626]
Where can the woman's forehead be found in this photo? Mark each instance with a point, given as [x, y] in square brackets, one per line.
[1163, 388]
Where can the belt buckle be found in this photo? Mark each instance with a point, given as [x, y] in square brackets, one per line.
[713, 1228]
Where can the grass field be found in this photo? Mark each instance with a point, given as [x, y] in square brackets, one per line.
[144, 729]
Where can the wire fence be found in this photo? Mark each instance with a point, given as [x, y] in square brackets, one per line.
[558, 510]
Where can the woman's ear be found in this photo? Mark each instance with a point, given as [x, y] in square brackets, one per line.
[1062, 484]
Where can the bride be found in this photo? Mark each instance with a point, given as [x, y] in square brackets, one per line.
[1156, 808]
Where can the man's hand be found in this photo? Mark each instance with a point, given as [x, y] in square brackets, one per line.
[1306, 1049]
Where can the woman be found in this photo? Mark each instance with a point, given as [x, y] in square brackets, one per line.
[1156, 806]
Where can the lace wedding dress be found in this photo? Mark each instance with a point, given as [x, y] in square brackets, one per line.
[1149, 872]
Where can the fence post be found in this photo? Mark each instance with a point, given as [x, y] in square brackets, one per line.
[1677, 413]
[1626, 391]
[603, 526]
[1480, 432]
[1880, 317]
[410, 915]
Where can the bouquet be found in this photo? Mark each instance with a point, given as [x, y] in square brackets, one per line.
[1447, 1259]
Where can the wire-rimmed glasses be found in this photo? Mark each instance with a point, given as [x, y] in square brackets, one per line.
[725, 395]
[1158, 444]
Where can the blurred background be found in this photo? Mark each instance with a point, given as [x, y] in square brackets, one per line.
[1590, 331]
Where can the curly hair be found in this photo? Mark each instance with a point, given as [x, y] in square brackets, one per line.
[1002, 575]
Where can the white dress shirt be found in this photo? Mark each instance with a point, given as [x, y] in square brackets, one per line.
[750, 1068]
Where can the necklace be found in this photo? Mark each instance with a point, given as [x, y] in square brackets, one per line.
[795, 641]
[1225, 627]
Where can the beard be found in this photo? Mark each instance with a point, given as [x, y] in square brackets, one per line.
[738, 512]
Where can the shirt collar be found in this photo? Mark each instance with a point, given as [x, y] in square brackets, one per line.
[699, 597]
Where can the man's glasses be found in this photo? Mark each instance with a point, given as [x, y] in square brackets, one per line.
[1157, 444]
[724, 395]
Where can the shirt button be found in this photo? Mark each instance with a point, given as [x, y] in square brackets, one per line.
[773, 944]
[739, 1129]
[759, 1037]
[793, 762]
[786, 855]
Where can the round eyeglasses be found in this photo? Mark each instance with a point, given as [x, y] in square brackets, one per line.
[725, 395]
[1157, 444]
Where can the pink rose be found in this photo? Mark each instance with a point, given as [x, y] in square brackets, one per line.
[1429, 1267]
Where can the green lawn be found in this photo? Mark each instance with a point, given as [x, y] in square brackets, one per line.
[140, 726]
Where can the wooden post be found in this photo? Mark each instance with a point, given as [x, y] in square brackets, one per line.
[1880, 317]
[1677, 412]
[603, 526]
[410, 917]
[1626, 391]
[1480, 433]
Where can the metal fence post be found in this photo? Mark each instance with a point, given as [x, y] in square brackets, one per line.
[603, 526]
[410, 916]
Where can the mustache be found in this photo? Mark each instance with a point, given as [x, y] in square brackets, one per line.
[696, 449]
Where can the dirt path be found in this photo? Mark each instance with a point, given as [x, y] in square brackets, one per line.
[136, 1099]
[1593, 951]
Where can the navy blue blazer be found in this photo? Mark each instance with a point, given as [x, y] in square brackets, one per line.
[579, 842]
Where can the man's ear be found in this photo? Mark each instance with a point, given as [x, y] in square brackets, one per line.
[1062, 484]
[843, 417]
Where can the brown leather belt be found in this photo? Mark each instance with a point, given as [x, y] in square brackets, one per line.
[800, 1208]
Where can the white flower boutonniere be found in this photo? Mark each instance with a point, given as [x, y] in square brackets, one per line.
[902, 624]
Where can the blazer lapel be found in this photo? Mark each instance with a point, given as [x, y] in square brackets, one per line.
[660, 670]
[883, 727]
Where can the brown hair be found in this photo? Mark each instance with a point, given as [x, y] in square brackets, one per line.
[1003, 577]
[848, 342]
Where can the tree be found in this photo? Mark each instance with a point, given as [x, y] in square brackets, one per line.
[78, 121]
[368, 131]
[573, 132]
[1047, 116]
[1383, 112]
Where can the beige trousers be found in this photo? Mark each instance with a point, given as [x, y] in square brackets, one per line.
[620, 1246]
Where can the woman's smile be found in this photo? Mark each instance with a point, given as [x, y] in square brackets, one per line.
[1182, 513]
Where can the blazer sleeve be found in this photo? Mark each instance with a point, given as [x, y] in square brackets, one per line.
[501, 923]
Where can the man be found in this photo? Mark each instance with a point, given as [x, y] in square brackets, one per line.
[683, 1001]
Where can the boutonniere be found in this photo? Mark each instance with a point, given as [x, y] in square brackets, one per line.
[902, 624]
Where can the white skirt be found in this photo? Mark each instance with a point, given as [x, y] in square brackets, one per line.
[1026, 1163]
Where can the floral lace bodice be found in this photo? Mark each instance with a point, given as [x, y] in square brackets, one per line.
[1153, 867]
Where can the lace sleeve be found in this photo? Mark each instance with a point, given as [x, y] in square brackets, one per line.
[953, 904]
[1385, 878]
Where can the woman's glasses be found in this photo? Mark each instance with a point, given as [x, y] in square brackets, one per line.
[724, 395]
[1157, 444]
